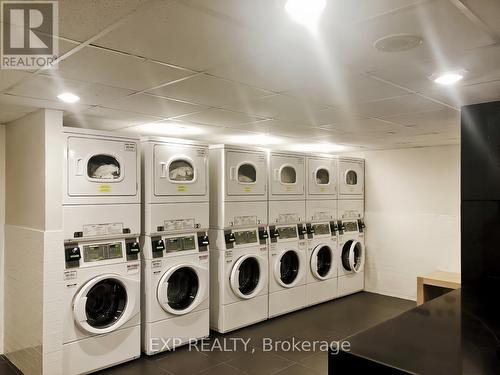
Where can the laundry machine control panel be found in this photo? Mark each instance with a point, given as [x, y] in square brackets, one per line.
[87, 254]
[168, 245]
[245, 237]
[351, 226]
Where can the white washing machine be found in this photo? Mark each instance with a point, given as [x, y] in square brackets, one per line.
[175, 181]
[175, 292]
[351, 178]
[352, 255]
[287, 269]
[238, 187]
[321, 188]
[322, 256]
[238, 278]
[101, 305]
[287, 191]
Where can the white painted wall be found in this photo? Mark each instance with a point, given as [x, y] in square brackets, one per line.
[2, 223]
[412, 216]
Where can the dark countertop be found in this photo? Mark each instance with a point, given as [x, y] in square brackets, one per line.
[442, 336]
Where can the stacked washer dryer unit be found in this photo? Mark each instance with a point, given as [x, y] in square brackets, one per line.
[239, 238]
[175, 258]
[322, 230]
[287, 233]
[351, 225]
[101, 213]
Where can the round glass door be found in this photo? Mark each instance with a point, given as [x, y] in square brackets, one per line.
[105, 303]
[323, 261]
[247, 174]
[103, 167]
[352, 256]
[246, 277]
[322, 176]
[182, 289]
[181, 171]
[351, 178]
[289, 267]
[288, 175]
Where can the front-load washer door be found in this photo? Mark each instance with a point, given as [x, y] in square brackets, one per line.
[287, 175]
[246, 173]
[322, 262]
[181, 289]
[287, 269]
[322, 176]
[100, 167]
[351, 178]
[105, 303]
[247, 279]
[180, 171]
[353, 256]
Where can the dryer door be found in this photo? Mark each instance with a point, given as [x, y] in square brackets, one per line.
[322, 261]
[98, 167]
[351, 178]
[246, 173]
[180, 170]
[353, 256]
[287, 269]
[287, 175]
[182, 288]
[105, 303]
[247, 278]
[322, 176]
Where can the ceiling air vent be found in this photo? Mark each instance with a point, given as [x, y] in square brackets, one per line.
[398, 42]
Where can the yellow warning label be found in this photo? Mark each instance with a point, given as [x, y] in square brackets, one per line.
[248, 189]
[105, 189]
[288, 188]
[181, 189]
[322, 189]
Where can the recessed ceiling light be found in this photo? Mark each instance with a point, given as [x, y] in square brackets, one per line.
[170, 129]
[448, 78]
[305, 12]
[256, 139]
[398, 42]
[68, 97]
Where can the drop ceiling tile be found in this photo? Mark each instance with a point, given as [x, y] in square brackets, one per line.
[363, 125]
[106, 119]
[207, 90]
[282, 107]
[116, 70]
[32, 104]
[430, 118]
[220, 117]
[344, 90]
[9, 78]
[48, 87]
[285, 129]
[396, 106]
[81, 19]
[465, 95]
[174, 33]
[488, 11]
[154, 105]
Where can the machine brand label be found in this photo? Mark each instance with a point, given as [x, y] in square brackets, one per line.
[93, 230]
[179, 224]
[105, 188]
[132, 269]
[130, 147]
[245, 220]
[70, 275]
[156, 264]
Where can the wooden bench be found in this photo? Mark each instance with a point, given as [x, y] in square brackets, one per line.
[436, 284]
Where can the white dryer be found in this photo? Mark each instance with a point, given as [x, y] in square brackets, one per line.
[101, 305]
[321, 278]
[287, 192]
[175, 293]
[100, 168]
[238, 187]
[352, 255]
[351, 178]
[175, 181]
[287, 269]
[238, 278]
[321, 188]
